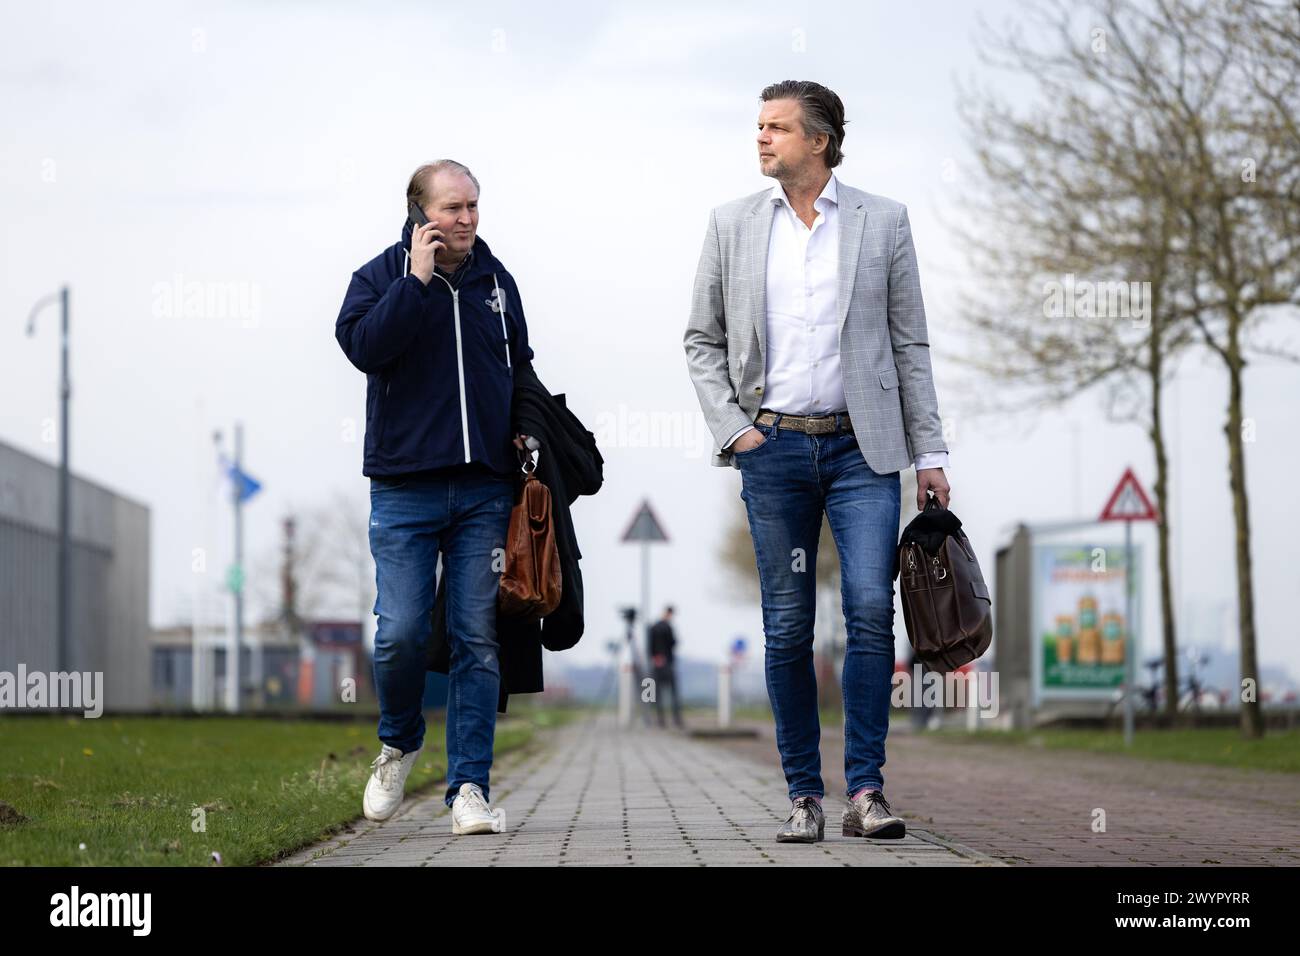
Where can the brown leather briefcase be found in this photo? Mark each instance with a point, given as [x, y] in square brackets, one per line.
[946, 604]
[530, 583]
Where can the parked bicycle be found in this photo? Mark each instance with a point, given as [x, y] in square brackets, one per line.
[1148, 697]
[1194, 696]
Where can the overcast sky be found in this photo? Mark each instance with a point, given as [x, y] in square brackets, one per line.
[265, 148]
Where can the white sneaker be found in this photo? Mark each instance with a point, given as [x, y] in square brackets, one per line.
[385, 787]
[470, 813]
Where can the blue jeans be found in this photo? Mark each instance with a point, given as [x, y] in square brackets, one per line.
[787, 482]
[412, 521]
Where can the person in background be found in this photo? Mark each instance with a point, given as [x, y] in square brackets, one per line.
[662, 640]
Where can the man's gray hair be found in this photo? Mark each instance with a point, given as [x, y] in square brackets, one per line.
[417, 190]
[823, 112]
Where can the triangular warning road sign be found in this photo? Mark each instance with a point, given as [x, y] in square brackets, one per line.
[1128, 502]
[645, 526]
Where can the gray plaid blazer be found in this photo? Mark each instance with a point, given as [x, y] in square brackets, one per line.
[884, 349]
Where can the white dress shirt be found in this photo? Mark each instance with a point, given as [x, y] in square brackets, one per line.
[802, 376]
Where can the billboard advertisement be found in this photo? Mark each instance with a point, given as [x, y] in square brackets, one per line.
[1081, 634]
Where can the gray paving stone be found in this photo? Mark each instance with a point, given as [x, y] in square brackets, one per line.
[594, 795]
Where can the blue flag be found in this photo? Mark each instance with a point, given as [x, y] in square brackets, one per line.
[245, 484]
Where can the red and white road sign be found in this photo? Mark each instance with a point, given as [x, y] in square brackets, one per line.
[1128, 502]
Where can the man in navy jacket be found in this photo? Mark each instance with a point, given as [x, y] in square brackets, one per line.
[435, 322]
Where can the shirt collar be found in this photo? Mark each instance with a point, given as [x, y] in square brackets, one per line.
[828, 193]
[459, 272]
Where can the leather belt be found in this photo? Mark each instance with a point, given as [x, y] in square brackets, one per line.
[809, 424]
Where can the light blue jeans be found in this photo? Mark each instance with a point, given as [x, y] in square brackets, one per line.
[464, 518]
[788, 481]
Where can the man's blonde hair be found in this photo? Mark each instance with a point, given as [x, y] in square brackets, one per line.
[417, 190]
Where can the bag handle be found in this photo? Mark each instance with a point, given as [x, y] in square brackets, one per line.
[933, 503]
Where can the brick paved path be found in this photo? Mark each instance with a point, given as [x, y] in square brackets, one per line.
[593, 795]
[1026, 805]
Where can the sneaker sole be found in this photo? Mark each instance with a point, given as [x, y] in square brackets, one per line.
[887, 831]
[487, 826]
[458, 830]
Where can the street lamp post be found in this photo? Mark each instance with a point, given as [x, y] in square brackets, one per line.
[65, 499]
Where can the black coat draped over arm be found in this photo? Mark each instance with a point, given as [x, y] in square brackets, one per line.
[569, 465]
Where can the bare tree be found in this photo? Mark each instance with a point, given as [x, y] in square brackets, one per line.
[1121, 172]
[1061, 192]
[332, 573]
[1227, 108]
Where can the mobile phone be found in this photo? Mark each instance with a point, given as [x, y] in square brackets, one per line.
[415, 214]
[417, 218]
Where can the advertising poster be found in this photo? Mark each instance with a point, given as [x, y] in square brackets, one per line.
[1078, 617]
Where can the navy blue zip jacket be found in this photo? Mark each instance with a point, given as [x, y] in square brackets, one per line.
[439, 361]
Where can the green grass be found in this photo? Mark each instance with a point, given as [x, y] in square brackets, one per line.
[129, 787]
[1220, 747]
[828, 716]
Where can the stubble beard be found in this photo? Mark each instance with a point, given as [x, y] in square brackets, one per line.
[791, 180]
[776, 169]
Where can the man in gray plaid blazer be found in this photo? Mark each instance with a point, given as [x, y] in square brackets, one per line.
[808, 350]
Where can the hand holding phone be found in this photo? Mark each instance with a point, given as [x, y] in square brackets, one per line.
[425, 243]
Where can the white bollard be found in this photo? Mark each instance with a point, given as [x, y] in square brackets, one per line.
[626, 691]
[724, 696]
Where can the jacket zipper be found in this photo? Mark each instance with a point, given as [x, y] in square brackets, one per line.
[501, 304]
[460, 369]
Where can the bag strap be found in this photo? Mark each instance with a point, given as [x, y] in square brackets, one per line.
[527, 464]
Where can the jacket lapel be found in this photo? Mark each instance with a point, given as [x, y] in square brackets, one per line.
[760, 232]
[853, 217]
